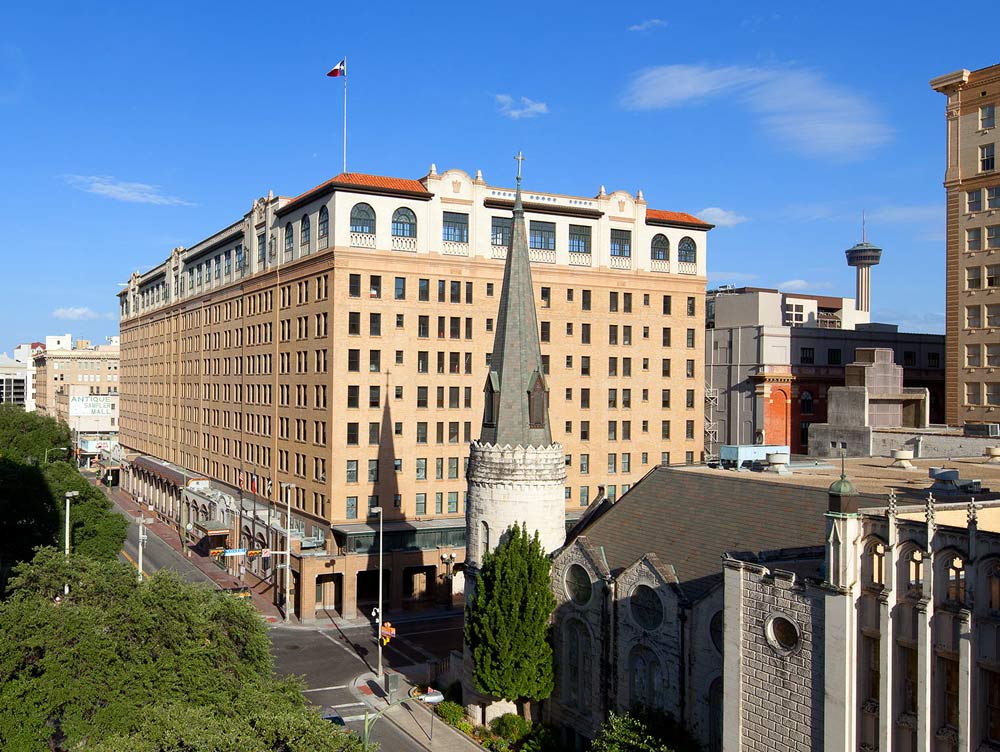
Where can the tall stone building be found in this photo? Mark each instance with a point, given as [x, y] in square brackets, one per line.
[516, 471]
[972, 200]
[335, 345]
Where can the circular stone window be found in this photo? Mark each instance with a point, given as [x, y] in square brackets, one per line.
[647, 609]
[715, 627]
[578, 585]
[782, 633]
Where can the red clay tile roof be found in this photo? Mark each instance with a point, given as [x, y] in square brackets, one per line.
[679, 217]
[361, 180]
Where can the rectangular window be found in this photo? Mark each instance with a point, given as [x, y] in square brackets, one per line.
[452, 502]
[400, 293]
[423, 327]
[421, 468]
[585, 430]
[375, 286]
[973, 356]
[374, 396]
[665, 367]
[585, 300]
[613, 302]
[690, 338]
[354, 286]
[974, 239]
[612, 334]
[585, 334]
[352, 507]
[689, 399]
[424, 290]
[584, 496]
[500, 231]
[352, 434]
[422, 361]
[421, 504]
[373, 471]
[455, 291]
[352, 471]
[627, 302]
[993, 236]
[373, 433]
[933, 360]
[375, 324]
[545, 328]
[546, 297]
[455, 227]
[626, 462]
[974, 200]
[666, 336]
[542, 235]
[973, 393]
[584, 464]
[987, 116]
[833, 356]
[993, 355]
[353, 361]
[807, 356]
[993, 197]
[422, 432]
[664, 429]
[585, 399]
[973, 278]
[612, 463]
[666, 305]
[621, 242]
[987, 154]
[993, 275]
[579, 240]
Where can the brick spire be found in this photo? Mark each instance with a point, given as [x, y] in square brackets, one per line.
[516, 409]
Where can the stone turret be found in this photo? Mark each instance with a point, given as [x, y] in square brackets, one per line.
[516, 473]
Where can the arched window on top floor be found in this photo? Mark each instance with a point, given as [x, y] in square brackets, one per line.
[687, 251]
[874, 564]
[289, 238]
[914, 568]
[305, 231]
[404, 223]
[363, 219]
[659, 249]
[806, 403]
[324, 222]
[955, 593]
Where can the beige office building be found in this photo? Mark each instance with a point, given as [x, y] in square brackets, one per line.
[339, 342]
[972, 185]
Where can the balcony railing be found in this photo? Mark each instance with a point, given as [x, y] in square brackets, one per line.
[621, 262]
[580, 259]
[454, 248]
[542, 255]
[687, 267]
[499, 251]
[362, 240]
[404, 244]
[659, 265]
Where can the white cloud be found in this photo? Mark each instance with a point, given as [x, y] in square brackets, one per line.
[649, 23]
[797, 107]
[800, 285]
[528, 107]
[79, 313]
[120, 190]
[720, 217]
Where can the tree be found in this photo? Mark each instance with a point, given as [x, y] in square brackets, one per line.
[507, 621]
[160, 665]
[627, 733]
[24, 437]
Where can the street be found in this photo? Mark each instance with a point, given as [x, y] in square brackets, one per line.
[157, 554]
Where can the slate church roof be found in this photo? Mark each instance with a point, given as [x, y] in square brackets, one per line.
[689, 520]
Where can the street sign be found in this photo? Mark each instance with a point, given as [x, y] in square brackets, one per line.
[235, 552]
[254, 552]
[265, 552]
[217, 552]
[388, 630]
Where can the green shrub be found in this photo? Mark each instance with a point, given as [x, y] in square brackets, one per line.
[510, 726]
[541, 738]
[451, 712]
[497, 744]
[464, 726]
[482, 733]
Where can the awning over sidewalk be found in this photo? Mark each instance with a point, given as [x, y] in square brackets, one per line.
[212, 527]
[169, 472]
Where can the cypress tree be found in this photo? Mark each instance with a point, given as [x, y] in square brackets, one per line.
[507, 622]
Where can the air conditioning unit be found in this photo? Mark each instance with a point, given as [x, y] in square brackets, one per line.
[982, 430]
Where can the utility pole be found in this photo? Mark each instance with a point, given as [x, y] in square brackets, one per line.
[69, 495]
[287, 487]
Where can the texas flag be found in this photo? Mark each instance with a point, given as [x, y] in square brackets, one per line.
[340, 69]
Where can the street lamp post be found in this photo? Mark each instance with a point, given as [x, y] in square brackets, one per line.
[449, 562]
[53, 449]
[378, 618]
[142, 540]
[287, 487]
[69, 495]
[432, 698]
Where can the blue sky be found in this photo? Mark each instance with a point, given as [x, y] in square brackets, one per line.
[131, 128]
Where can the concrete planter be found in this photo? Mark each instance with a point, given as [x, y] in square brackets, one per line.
[901, 459]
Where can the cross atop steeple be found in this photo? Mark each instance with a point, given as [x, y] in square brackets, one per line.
[519, 158]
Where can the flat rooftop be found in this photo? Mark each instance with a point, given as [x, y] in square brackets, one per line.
[874, 479]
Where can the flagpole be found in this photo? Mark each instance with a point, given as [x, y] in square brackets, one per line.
[345, 113]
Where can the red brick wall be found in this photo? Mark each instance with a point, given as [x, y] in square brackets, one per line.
[777, 415]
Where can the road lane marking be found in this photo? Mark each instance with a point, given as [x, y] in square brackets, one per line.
[347, 705]
[132, 562]
[352, 718]
[346, 649]
[324, 689]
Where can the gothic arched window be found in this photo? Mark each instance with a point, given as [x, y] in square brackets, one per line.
[363, 219]
[484, 539]
[577, 662]
[289, 237]
[645, 679]
[536, 402]
[874, 565]
[956, 581]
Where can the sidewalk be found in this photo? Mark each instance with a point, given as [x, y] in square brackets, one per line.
[260, 589]
[412, 718]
